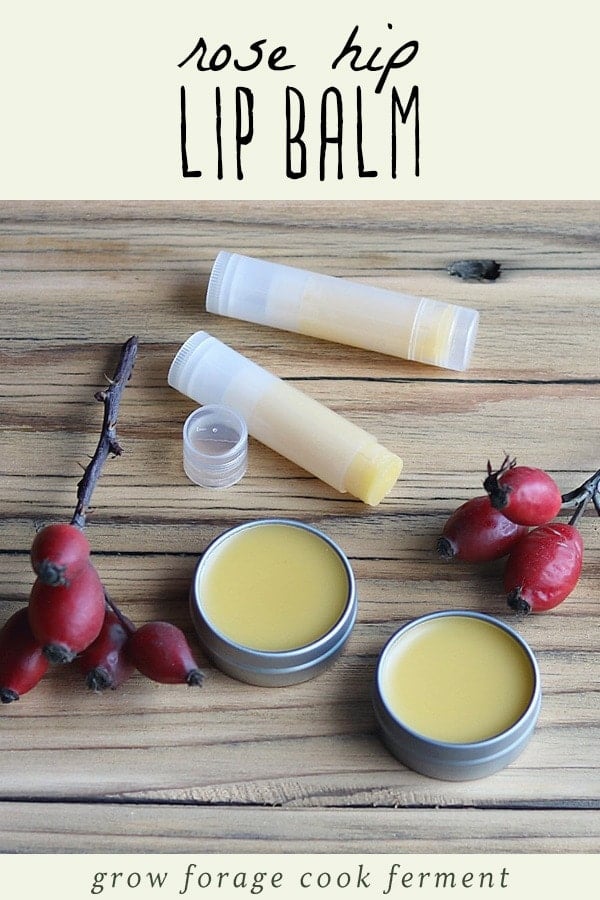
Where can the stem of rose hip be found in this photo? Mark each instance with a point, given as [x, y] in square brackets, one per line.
[581, 496]
[120, 616]
[108, 442]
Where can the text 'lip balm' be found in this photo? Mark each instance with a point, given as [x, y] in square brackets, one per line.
[346, 312]
[283, 418]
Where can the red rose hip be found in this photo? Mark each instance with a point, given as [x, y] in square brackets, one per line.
[476, 532]
[22, 660]
[523, 494]
[66, 619]
[58, 553]
[160, 651]
[105, 663]
[544, 567]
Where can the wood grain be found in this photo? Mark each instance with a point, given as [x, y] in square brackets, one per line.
[182, 828]
[159, 768]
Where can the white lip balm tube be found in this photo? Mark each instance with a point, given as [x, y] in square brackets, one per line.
[346, 312]
[286, 420]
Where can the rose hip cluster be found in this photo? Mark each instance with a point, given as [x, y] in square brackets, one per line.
[543, 564]
[69, 618]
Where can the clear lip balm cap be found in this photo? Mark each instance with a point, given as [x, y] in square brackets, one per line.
[215, 446]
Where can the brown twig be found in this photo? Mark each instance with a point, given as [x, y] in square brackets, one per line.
[581, 496]
[125, 622]
[108, 442]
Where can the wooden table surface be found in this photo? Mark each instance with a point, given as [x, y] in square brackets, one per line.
[233, 767]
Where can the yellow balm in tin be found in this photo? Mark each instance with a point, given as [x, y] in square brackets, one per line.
[458, 679]
[273, 601]
[274, 587]
[456, 694]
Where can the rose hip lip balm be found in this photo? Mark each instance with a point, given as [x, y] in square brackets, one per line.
[456, 694]
[283, 418]
[346, 312]
[273, 601]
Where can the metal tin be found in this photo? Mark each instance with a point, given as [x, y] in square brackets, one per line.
[272, 668]
[455, 761]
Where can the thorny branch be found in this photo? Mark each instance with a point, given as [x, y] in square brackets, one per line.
[108, 442]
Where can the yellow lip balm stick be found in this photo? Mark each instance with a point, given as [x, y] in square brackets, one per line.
[346, 312]
[283, 418]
